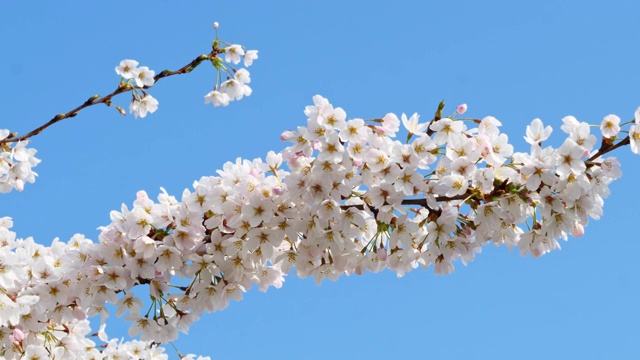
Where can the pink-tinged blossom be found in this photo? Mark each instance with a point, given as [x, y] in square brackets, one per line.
[610, 126]
[461, 109]
[390, 124]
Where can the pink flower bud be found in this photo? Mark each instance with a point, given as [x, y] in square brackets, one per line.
[17, 336]
[278, 190]
[382, 254]
[287, 135]
[79, 313]
[216, 25]
[461, 109]
[578, 230]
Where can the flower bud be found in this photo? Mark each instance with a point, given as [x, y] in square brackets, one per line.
[578, 230]
[461, 109]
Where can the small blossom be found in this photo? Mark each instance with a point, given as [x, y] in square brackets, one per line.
[145, 77]
[461, 109]
[128, 69]
[610, 126]
[147, 104]
[217, 98]
[634, 137]
[249, 56]
[412, 124]
[536, 133]
[233, 53]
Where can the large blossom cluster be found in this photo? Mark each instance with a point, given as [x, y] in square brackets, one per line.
[16, 164]
[41, 316]
[344, 198]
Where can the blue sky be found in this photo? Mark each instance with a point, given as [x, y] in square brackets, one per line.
[513, 60]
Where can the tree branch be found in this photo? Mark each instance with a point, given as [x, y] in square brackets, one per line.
[122, 88]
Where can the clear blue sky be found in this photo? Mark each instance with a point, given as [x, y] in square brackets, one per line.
[512, 60]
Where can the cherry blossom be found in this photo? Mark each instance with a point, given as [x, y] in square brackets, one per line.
[610, 126]
[128, 69]
[141, 107]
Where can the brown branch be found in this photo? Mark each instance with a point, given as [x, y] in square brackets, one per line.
[603, 150]
[123, 87]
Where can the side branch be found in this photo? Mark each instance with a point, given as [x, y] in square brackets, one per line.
[96, 99]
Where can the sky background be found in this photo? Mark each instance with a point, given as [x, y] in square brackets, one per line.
[513, 60]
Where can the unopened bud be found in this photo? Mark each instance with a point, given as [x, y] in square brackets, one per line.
[461, 109]
[121, 110]
[578, 230]
[216, 25]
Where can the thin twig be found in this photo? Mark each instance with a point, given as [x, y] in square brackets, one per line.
[107, 99]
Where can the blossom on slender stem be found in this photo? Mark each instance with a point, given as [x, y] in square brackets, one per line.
[140, 107]
[249, 56]
[217, 98]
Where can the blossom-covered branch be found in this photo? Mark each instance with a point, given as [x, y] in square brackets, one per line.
[344, 198]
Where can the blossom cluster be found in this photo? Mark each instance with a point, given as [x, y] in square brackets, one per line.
[42, 311]
[345, 197]
[235, 87]
[16, 164]
[141, 103]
